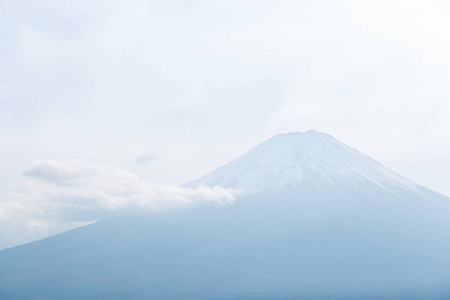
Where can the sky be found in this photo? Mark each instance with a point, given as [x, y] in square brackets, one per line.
[144, 96]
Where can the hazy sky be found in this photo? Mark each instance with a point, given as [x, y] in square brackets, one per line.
[165, 91]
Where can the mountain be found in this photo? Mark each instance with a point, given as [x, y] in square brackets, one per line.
[314, 219]
[290, 166]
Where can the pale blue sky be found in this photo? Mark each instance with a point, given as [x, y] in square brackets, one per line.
[169, 90]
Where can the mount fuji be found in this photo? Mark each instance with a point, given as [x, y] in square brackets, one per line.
[313, 219]
[296, 166]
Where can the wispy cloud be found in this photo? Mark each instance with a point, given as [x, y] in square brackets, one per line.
[54, 196]
[146, 158]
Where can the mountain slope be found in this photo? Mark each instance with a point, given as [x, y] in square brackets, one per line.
[289, 165]
[315, 218]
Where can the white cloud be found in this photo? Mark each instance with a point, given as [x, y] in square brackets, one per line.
[54, 196]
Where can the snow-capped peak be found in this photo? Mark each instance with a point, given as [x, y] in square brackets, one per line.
[295, 163]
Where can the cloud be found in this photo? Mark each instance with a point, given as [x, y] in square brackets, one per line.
[60, 173]
[146, 158]
[54, 196]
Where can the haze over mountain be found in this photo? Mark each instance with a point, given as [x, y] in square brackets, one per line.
[313, 218]
[288, 166]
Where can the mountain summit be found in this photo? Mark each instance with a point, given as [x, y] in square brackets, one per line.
[314, 219]
[311, 164]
